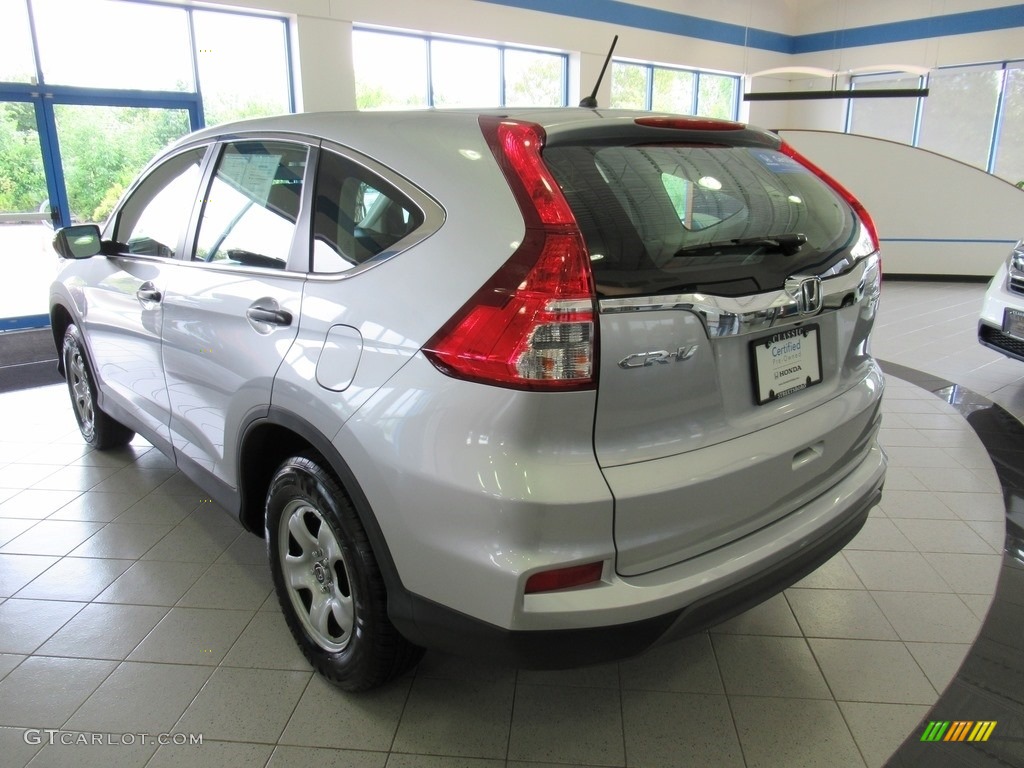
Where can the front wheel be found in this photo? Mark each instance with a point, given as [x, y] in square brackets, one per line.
[98, 428]
[328, 582]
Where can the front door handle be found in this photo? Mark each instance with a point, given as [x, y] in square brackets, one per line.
[272, 316]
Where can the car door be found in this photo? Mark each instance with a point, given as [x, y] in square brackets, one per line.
[119, 298]
[232, 311]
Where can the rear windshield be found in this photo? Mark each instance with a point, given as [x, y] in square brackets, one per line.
[710, 219]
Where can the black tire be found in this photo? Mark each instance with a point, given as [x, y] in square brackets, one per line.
[328, 582]
[98, 428]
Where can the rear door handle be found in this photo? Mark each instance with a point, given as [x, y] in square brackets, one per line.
[147, 293]
[271, 316]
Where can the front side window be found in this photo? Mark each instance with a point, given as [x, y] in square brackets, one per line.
[250, 212]
[152, 219]
[357, 215]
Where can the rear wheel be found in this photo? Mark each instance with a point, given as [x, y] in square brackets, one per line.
[98, 428]
[328, 582]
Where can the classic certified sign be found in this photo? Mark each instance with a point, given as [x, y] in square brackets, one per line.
[786, 363]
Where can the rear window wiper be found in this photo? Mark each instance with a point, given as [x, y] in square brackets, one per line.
[787, 244]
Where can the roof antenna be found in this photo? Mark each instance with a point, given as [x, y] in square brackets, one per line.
[590, 102]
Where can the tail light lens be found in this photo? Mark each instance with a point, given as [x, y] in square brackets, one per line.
[531, 326]
[867, 242]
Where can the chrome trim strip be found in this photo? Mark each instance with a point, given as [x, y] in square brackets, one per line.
[741, 315]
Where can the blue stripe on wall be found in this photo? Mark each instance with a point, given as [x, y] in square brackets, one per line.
[985, 20]
[656, 20]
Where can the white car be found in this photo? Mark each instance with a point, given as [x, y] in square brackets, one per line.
[1002, 315]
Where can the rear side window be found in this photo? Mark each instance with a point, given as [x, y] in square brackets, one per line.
[357, 215]
[715, 219]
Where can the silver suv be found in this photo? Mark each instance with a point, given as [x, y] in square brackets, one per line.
[549, 386]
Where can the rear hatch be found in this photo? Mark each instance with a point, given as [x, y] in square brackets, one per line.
[736, 288]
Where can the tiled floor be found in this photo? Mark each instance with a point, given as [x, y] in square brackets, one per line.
[129, 606]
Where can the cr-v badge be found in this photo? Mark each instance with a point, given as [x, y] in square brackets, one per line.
[644, 359]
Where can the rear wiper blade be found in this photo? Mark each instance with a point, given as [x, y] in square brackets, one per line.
[787, 244]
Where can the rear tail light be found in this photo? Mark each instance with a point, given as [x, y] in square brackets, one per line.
[531, 326]
[868, 240]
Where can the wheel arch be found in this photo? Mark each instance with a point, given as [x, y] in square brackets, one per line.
[60, 319]
[270, 439]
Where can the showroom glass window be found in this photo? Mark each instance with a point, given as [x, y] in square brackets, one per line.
[406, 71]
[637, 85]
[974, 114]
[251, 209]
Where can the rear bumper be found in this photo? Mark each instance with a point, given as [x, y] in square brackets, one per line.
[814, 535]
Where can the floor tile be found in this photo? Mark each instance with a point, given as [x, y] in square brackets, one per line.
[396, 760]
[594, 676]
[21, 475]
[245, 704]
[153, 583]
[896, 571]
[94, 507]
[266, 643]
[872, 670]
[51, 537]
[878, 534]
[772, 617]
[49, 690]
[444, 665]
[683, 666]
[834, 574]
[316, 757]
[18, 745]
[763, 666]
[839, 613]
[122, 540]
[133, 480]
[18, 570]
[212, 754]
[27, 624]
[117, 706]
[666, 730]
[793, 732]
[230, 586]
[915, 504]
[974, 574]
[9, 661]
[34, 504]
[117, 754]
[245, 550]
[192, 542]
[159, 509]
[12, 527]
[103, 632]
[72, 478]
[567, 725]
[192, 636]
[367, 721]
[463, 718]
[74, 578]
[928, 617]
[976, 506]
[940, 661]
[879, 729]
[943, 536]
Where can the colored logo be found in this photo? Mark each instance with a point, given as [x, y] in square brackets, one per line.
[958, 730]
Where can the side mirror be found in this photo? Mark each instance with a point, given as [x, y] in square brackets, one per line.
[81, 241]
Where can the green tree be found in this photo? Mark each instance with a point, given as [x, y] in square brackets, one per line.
[629, 86]
[22, 182]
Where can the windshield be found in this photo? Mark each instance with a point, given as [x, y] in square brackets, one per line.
[715, 219]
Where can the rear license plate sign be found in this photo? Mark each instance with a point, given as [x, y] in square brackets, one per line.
[1013, 323]
[786, 363]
